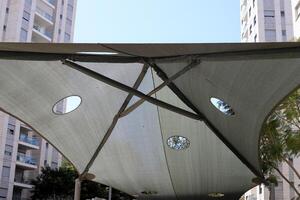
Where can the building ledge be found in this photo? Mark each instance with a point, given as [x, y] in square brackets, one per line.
[23, 185]
[49, 4]
[41, 35]
[27, 145]
[26, 166]
[44, 18]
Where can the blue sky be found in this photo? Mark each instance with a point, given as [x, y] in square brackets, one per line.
[150, 21]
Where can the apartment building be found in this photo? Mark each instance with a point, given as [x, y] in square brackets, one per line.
[266, 20]
[296, 18]
[271, 21]
[22, 151]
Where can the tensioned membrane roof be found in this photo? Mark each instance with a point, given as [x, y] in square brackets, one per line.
[124, 143]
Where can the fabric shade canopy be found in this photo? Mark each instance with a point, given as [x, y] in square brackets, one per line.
[124, 143]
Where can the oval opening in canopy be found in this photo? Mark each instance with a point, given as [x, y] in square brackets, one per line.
[178, 142]
[67, 105]
[222, 106]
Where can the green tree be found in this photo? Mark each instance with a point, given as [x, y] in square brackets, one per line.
[54, 184]
[59, 184]
[280, 141]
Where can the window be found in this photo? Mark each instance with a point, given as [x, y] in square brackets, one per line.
[254, 20]
[11, 129]
[5, 171]
[25, 24]
[250, 29]
[26, 15]
[250, 12]
[70, 11]
[54, 165]
[253, 3]
[60, 16]
[282, 13]
[28, 2]
[7, 153]
[69, 22]
[260, 189]
[255, 38]
[269, 13]
[297, 11]
[283, 32]
[7, 10]
[8, 150]
[3, 192]
[67, 37]
[4, 27]
[23, 36]
[270, 35]
[70, 8]
[25, 21]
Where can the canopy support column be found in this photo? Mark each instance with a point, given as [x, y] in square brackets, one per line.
[77, 189]
[109, 193]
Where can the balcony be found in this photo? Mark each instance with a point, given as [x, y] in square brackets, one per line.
[26, 162]
[41, 34]
[27, 142]
[45, 16]
[51, 3]
[23, 185]
[243, 5]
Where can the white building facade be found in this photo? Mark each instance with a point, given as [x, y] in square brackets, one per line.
[272, 21]
[23, 152]
[296, 18]
[266, 20]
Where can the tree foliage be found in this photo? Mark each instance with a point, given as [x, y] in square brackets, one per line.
[59, 184]
[280, 141]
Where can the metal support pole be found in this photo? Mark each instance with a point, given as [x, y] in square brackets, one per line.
[109, 193]
[77, 189]
[272, 191]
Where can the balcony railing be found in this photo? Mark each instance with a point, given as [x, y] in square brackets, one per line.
[26, 159]
[44, 14]
[22, 180]
[29, 140]
[52, 2]
[42, 30]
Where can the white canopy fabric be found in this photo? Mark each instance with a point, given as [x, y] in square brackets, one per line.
[130, 152]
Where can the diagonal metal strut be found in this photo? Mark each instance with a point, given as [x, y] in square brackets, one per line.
[130, 90]
[165, 83]
[115, 120]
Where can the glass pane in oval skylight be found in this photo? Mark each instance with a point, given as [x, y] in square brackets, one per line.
[178, 142]
[67, 104]
[222, 106]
